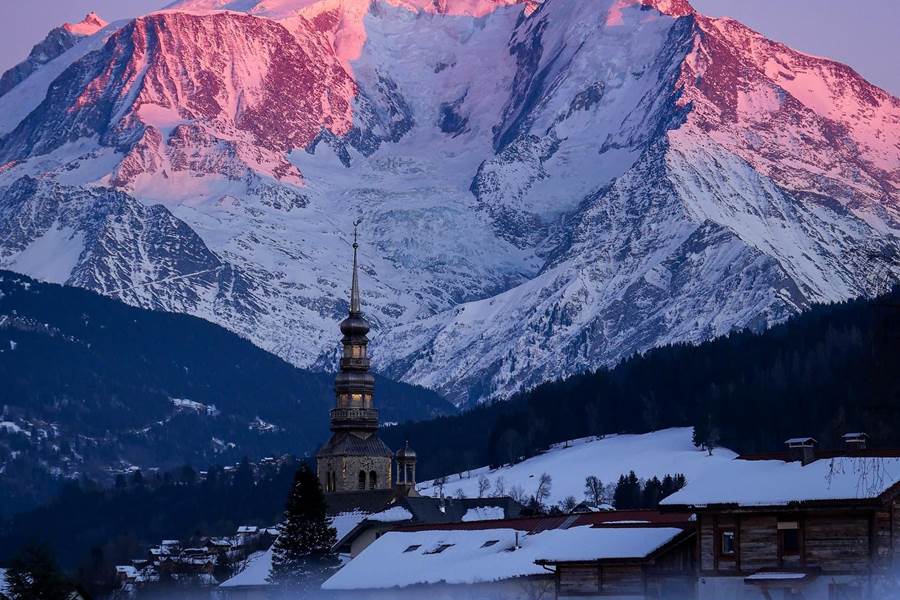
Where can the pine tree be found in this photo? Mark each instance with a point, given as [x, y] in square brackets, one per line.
[628, 492]
[303, 554]
[652, 493]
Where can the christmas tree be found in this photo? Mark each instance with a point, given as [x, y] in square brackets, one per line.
[303, 555]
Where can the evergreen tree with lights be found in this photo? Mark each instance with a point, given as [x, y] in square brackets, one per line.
[303, 555]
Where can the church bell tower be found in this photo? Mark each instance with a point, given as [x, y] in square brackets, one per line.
[355, 458]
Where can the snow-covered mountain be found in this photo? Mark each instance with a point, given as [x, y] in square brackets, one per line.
[58, 41]
[544, 187]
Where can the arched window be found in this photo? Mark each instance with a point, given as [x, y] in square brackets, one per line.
[332, 481]
[410, 476]
[362, 480]
[373, 480]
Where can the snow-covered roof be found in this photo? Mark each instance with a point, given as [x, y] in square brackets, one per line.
[484, 513]
[256, 571]
[4, 587]
[247, 529]
[777, 483]
[392, 515]
[400, 558]
[667, 451]
[800, 441]
[345, 522]
[126, 570]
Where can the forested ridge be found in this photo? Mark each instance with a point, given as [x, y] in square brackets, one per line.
[832, 369]
[90, 384]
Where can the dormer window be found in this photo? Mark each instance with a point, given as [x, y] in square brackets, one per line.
[412, 548]
[440, 549]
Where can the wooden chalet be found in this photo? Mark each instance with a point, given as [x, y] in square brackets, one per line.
[665, 572]
[803, 524]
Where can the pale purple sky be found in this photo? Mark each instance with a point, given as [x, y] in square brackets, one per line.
[865, 34]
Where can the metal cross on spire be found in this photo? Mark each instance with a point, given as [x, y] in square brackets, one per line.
[355, 304]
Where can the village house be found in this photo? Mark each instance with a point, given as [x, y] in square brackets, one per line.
[508, 559]
[800, 524]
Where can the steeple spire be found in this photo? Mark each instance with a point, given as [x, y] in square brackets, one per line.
[355, 304]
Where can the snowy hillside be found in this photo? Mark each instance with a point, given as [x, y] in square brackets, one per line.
[659, 453]
[545, 188]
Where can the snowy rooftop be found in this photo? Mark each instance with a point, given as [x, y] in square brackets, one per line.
[667, 451]
[399, 559]
[255, 572]
[345, 522]
[4, 588]
[776, 482]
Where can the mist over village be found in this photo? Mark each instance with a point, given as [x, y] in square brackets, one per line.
[449, 299]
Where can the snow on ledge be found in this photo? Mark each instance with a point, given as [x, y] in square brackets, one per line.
[391, 515]
[484, 513]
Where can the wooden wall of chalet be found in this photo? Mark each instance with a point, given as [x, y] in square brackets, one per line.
[837, 541]
[670, 575]
[582, 580]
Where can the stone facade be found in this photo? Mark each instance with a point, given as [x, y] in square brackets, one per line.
[352, 473]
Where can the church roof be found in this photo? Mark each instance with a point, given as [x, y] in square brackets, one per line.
[344, 443]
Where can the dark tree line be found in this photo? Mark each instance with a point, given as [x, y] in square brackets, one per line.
[830, 370]
[632, 493]
[90, 529]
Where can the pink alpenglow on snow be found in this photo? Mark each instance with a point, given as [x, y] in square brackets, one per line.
[264, 126]
[90, 25]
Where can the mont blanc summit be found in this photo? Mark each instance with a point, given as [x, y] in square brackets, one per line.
[579, 180]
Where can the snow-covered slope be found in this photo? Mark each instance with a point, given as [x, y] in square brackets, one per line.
[659, 453]
[544, 187]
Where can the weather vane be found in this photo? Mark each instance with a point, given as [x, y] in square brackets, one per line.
[355, 225]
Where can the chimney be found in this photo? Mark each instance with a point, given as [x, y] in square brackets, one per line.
[802, 449]
[855, 441]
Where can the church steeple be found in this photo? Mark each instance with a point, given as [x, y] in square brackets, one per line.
[355, 304]
[354, 386]
[355, 458]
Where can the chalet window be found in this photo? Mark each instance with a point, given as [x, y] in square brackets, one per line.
[727, 545]
[790, 542]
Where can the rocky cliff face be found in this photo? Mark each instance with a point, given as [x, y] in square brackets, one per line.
[545, 187]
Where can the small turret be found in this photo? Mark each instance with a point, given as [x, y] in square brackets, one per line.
[406, 471]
